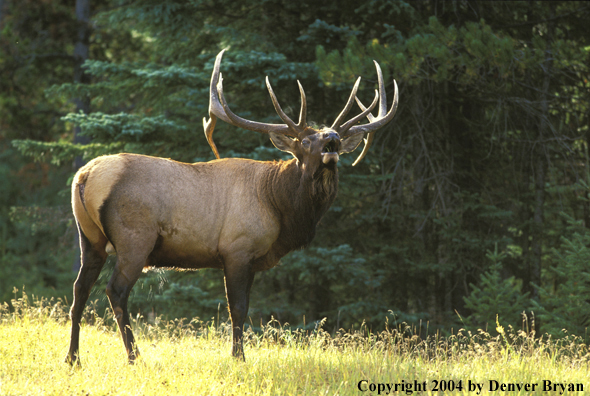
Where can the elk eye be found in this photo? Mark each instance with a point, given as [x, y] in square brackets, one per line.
[305, 143]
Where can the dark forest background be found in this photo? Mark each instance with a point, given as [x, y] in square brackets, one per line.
[472, 203]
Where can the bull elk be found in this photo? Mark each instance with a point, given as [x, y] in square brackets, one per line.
[234, 214]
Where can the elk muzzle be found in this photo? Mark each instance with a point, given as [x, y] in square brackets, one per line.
[330, 149]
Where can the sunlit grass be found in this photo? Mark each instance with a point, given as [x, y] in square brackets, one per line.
[193, 358]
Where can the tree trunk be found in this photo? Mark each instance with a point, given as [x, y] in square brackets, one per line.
[540, 164]
[586, 177]
[81, 51]
[2, 14]
[538, 222]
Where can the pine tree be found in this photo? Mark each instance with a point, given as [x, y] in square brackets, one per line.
[485, 149]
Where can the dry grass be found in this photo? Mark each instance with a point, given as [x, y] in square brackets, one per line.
[192, 358]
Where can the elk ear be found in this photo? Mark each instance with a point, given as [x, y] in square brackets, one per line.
[283, 143]
[351, 143]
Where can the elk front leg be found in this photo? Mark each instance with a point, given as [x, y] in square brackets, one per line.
[92, 261]
[238, 281]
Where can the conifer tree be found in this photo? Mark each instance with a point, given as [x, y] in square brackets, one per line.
[488, 143]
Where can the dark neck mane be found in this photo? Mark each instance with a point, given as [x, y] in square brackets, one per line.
[301, 201]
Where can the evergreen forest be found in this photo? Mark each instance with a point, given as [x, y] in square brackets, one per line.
[470, 208]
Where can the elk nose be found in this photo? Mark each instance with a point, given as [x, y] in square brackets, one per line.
[331, 144]
[331, 136]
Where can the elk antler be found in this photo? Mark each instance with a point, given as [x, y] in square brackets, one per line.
[382, 118]
[336, 124]
[342, 129]
[218, 108]
[301, 125]
[375, 122]
[370, 136]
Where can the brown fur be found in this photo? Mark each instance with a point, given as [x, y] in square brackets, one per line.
[101, 174]
[201, 219]
[238, 215]
[235, 214]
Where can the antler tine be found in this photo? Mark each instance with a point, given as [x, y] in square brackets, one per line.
[303, 112]
[368, 141]
[366, 112]
[280, 111]
[381, 119]
[382, 93]
[370, 136]
[209, 127]
[217, 109]
[370, 116]
[252, 125]
[348, 106]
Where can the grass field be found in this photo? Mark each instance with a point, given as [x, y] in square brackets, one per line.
[179, 358]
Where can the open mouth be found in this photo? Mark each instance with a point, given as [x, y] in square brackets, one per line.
[331, 147]
[330, 152]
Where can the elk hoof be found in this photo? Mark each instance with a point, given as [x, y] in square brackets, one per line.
[133, 356]
[72, 360]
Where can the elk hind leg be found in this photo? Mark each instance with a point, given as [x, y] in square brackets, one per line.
[93, 257]
[130, 263]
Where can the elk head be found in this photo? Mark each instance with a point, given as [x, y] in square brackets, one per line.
[313, 148]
